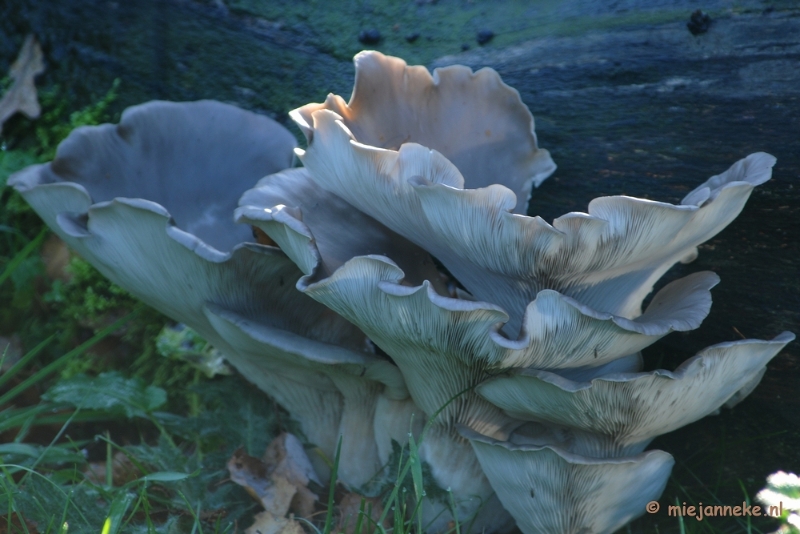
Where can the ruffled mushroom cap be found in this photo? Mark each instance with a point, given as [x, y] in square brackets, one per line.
[550, 491]
[192, 262]
[607, 259]
[619, 414]
[473, 118]
[319, 231]
[444, 346]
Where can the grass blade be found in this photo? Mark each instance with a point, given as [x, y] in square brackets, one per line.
[8, 375]
[331, 499]
[20, 256]
[63, 360]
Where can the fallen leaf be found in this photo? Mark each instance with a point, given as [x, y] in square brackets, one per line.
[55, 256]
[21, 96]
[14, 524]
[290, 460]
[280, 480]
[267, 523]
[349, 508]
[274, 492]
[122, 471]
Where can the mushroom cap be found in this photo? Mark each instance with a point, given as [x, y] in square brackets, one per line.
[473, 118]
[105, 195]
[619, 414]
[444, 346]
[549, 490]
[319, 231]
[607, 259]
[175, 155]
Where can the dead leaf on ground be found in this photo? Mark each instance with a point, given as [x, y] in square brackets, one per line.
[122, 471]
[349, 509]
[289, 458]
[267, 523]
[21, 96]
[55, 257]
[279, 481]
[14, 524]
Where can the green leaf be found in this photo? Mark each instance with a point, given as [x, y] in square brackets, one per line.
[116, 512]
[182, 343]
[14, 453]
[166, 476]
[13, 160]
[22, 258]
[109, 392]
[19, 449]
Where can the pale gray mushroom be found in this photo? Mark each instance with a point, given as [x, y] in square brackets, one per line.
[319, 231]
[607, 259]
[444, 346]
[478, 122]
[619, 414]
[362, 380]
[149, 202]
[570, 294]
[550, 491]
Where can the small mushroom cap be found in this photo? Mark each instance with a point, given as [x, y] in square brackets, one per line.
[472, 118]
[548, 490]
[619, 414]
[320, 231]
[607, 259]
[287, 349]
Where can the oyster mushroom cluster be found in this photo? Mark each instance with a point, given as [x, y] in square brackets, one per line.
[526, 352]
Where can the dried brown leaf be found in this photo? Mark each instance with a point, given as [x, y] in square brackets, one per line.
[279, 481]
[267, 523]
[55, 256]
[122, 471]
[287, 457]
[349, 508]
[14, 524]
[21, 96]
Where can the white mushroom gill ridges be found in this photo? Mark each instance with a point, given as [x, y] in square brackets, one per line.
[619, 414]
[608, 259]
[444, 346]
[551, 491]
